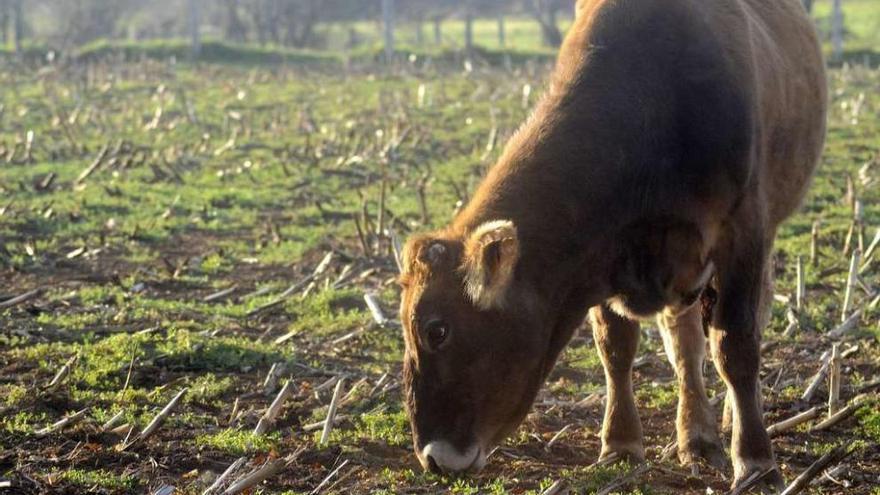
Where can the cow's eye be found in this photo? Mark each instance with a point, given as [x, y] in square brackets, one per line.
[436, 333]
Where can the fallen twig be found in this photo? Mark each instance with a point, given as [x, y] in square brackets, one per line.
[268, 418]
[157, 420]
[751, 481]
[331, 412]
[67, 420]
[833, 457]
[841, 414]
[20, 299]
[559, 487]
[220, 479]
[62, 373]
[269, 468]
[787, 424]
[219, 294]
[329, 477]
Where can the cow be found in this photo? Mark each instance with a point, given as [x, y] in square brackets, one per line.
[673, 139]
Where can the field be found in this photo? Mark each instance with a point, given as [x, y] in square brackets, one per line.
[212, 230]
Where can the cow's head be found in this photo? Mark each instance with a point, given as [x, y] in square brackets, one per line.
[474, 344]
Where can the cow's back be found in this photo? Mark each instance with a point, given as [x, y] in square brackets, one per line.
[785, 60]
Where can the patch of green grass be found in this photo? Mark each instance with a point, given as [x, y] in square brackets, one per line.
[209, 388]
[388, 427]
[869, 421]
[13, 394]
[98, 478]
[23, 422]
[237, 442]
[657, 396]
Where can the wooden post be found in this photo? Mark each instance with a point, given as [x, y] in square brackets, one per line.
[468, 28]
[18, 24]
[388, 28]
[834, 380]
[801, 285]
[502, 32]
[194, 21]
[438, 30]
[420, 32]
[814, 245]
[837, 30]
[851, 284]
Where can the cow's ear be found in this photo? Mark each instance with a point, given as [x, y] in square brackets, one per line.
[490, 256]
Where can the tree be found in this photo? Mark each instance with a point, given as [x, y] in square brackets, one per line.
[545, 12]
[235, 28]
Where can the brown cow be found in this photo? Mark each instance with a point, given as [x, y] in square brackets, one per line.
[673, 139]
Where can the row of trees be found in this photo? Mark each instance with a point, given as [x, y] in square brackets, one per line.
[296, 23]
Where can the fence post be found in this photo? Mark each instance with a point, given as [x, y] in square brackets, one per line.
[194, 21]
[502, 32]
[468, 28]
[18, 24]
[388, 24]
[837, 30]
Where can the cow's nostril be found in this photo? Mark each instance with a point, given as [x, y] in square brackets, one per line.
[433, 467]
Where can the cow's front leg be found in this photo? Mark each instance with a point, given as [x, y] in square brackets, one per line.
[617, 339]
[735, 335]
[696, 428]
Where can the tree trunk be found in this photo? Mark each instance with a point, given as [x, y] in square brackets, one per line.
[502, 32]
[837, 30]
[194, 21]
[468, 29]
[388, 28]
[438, 30]
[4, 22]
[18, 23]
[545, 13]
[235, 29]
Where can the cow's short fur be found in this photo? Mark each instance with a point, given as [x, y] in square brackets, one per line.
[673, 139]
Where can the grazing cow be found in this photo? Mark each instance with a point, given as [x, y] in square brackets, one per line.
[674, 138]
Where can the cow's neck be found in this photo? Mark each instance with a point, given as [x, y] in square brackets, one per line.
[546, 183]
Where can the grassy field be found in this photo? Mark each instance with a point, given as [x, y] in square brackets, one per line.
[213, 230]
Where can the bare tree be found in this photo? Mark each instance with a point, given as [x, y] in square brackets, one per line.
[545, 12]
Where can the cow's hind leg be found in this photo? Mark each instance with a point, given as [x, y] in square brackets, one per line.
[696, 427]
[617, 339]
[735, 335]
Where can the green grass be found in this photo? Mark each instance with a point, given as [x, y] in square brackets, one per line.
[98, 479]
[236, 442]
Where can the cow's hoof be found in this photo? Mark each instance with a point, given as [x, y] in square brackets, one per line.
[633, 454]
[707, 450]
[762, 477]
